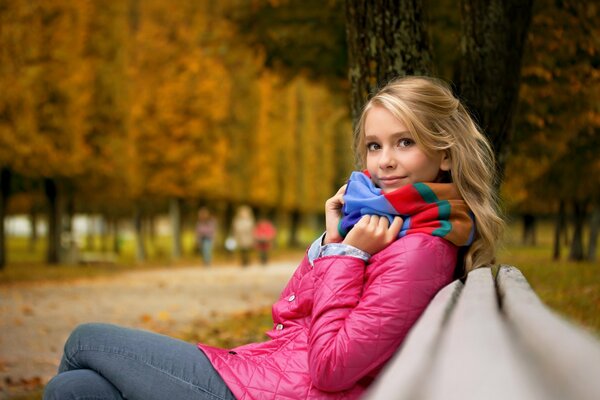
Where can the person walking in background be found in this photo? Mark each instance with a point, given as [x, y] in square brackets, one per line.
[206, 227]
[264, 234]
[243, 230]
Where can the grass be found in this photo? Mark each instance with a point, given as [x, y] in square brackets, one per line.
[570, 288]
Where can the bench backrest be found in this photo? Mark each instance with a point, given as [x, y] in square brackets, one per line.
[484, 340]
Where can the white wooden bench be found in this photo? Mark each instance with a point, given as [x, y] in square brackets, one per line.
[492, 339]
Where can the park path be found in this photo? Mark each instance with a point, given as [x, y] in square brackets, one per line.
[36, 318]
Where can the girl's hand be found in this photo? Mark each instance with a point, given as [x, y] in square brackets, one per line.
[333, 214]
[373, 233]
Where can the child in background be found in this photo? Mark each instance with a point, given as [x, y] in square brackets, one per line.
[392, 240]
[264, 234]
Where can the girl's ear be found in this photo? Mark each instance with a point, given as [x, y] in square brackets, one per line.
[446, 163]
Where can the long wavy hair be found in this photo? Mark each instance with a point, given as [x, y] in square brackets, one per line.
[439, 122]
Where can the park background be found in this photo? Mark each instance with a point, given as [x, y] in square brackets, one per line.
[119, 119]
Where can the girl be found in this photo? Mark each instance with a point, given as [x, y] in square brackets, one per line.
[392, 240]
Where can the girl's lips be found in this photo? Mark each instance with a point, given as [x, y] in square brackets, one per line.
[391, 181]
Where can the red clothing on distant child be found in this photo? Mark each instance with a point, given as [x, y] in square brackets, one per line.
[264, 233]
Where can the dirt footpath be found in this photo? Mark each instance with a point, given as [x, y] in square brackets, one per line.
[36, 318]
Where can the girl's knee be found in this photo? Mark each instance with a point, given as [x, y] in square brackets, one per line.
[88, 332]
[80, 334]
[80, 384]
[83, 337]
[52, 391]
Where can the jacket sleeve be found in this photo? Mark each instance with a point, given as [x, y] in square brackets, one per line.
[360, 319]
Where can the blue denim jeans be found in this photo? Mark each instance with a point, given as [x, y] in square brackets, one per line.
[206, 246]
[109, 362]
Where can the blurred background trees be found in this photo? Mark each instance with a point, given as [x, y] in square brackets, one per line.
[134, 109]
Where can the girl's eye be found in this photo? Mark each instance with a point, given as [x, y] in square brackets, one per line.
[372, 146]
[405, 142]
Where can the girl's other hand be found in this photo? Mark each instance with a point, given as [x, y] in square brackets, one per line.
[373, 233]
[333, 214]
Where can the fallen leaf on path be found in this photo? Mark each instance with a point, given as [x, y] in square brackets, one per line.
[145, 318]
[27, 310]
[164, 316]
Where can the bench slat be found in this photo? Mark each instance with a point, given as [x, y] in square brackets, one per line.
[567, 355]
[476, 359]
[409, 367]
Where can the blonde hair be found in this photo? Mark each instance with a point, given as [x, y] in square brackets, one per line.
[438, 121]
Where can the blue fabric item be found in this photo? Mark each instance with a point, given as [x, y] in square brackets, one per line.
[362, 197]
[317, 250]
[104, 361]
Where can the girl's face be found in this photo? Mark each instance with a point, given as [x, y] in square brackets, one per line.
[393, 158]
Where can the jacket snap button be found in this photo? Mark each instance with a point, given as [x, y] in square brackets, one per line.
[279, 327]
[292, 297]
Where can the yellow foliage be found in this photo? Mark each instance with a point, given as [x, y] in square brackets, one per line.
[160, 99]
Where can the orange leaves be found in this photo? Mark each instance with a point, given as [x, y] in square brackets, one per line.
[159, 99]
[559, 95]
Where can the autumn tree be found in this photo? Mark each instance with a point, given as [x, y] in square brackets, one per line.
[106, 52]
[554, 162]
[180, 92]
[385, 40]
[493, 38]
[44, 106]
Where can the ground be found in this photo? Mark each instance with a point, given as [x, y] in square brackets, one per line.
[36, 318]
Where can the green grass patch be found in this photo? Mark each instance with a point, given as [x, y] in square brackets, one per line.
[570, 288]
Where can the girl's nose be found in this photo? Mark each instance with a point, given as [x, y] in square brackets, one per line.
[387, 160]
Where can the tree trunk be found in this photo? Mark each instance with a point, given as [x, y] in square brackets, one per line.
[594, 227]
[33, 237]
[140, 248]
[386, 39]
[116, 236]
[579, 214]
[493, 38]
[103, 234]
[294, 225]
[91, 229]
[558, 229]
[54, 220]
[529, 234]
[175, 212]
[5, 178]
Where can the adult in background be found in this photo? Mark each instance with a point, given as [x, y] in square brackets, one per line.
[243, 230]
[206, 227]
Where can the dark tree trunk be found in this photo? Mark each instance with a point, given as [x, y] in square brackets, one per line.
[140, 248]
[558, 229]
[67, 224]
[579, 214]
[493, 38]
[116, 236]
[175, 212]
[103, 234]
[5, 178]
[90, 234]
[228, 216]
[33, 237]
[54, 220]
[295, 218]
[386, 39]
[594, 227]
[529, 234]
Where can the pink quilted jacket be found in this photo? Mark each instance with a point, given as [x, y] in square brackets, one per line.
[337, 323]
